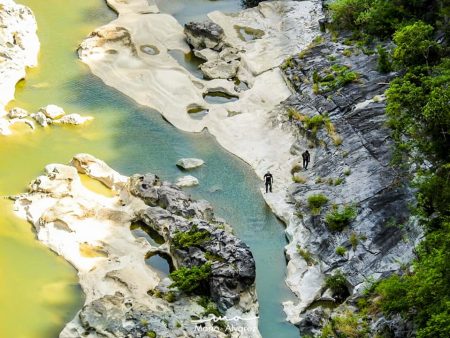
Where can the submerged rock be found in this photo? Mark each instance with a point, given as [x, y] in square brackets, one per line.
[125, 297]
[189, 163]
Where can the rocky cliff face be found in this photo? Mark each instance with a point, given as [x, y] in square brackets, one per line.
[125, 297]
[361, 227]
[19, 47]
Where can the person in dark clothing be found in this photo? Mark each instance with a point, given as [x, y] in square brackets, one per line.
[306, 157]
[268, 180]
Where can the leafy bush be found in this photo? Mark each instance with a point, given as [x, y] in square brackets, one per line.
[316, 202]
[337, 283]
[190, 279]
[193, 237]
[338, 218]
[415, 45]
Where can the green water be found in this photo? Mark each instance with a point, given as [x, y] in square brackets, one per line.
[131, 138]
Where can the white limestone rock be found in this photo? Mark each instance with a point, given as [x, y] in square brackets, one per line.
[18, 113]
[75, 119]
[41, 119]
[189, 163]
[187, 181]
[52, 111]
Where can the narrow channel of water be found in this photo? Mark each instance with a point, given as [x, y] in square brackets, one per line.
[131, 138]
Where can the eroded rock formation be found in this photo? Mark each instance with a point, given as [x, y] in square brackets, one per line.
[125, 297]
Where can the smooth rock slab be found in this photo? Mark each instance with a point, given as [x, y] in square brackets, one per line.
[75, 119]
[187, 181]
[190, 163]
[52, 111]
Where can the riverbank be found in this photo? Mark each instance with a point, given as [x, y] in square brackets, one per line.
[19, 48]
[116, 53]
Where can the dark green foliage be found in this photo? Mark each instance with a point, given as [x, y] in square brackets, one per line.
[418, 109]
[415, 45]
[190, 279]
[338, 218]
[337, 77]
[384, 60]
[209, 306]
[337, 283]
[427, 290]
[193, 237]
[382, 17]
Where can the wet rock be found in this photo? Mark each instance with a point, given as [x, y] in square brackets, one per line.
[74, 119]
[187, 181]
[189, 163]
[18, 113]
[41, 119]
[52, 111]
[206, 34]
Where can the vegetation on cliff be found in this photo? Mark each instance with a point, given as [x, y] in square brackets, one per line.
[418, 110]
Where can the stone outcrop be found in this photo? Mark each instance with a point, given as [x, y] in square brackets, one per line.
[125, 297]
[19, 47]
[350, 148]
[189, 163]
[187, 181]
[205, 34]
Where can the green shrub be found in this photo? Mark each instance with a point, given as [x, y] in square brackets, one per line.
[190, 279]
[209, 306]
[347, 171]
[297, 178]
[213, 257]
[314, 123]
[193, 237]
[339, 218]
[316, 202]
[354, 240]
[296, 168]
[340, 250]
[337, 283]
[306, 255]
[415, 45]
[151, 334]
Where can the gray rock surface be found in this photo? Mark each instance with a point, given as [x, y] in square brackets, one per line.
[171, 212]
[351, 152]
[206, 34]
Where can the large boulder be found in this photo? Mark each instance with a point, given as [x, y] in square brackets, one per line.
[52, 111]
[206, 34]
[189, 163]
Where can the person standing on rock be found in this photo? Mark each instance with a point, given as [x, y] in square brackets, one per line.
[268, 179]
[306, 157]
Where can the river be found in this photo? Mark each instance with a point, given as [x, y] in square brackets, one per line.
[38, 290]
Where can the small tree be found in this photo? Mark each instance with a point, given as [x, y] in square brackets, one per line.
[415, 45]
[190, 279]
